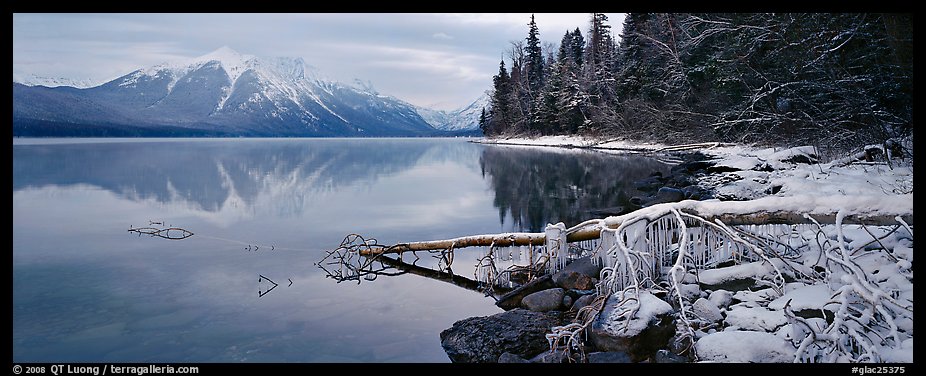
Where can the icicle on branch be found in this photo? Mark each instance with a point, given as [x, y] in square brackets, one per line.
[768, 210]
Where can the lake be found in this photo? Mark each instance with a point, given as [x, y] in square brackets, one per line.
[86, 289]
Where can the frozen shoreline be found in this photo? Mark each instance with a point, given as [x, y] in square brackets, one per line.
[751, 327]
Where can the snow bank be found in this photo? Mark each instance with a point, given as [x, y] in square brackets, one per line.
[775, 184]
[744, 347]
[758, 318]
[805, 297]
[732, 273]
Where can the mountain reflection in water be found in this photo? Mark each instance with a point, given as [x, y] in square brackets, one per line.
[531, 186]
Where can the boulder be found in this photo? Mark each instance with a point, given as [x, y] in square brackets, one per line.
[572, 280]
[648, 330]
[755, 318]
[567, 301]
[584, 266]
[649, 184]
[582, 301]
[543, 301]
[706, 310]
[484, 339]
[690, 291]
[667, 194]
[579, 274]
[736, 277]
[512, 299]
[722, 298]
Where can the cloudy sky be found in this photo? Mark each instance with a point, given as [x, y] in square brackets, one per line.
[439, 60]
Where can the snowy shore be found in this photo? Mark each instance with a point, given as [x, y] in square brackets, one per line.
[763, 170]
[844, 295]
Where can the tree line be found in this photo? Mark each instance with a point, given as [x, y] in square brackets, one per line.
[836, 81]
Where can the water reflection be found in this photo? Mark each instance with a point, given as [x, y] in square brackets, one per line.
[86, 290]
[208, 175]
[534, 186]
[531, 186]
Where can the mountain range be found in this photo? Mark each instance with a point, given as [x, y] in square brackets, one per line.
[226, 93]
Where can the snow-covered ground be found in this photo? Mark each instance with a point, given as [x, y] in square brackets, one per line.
[764, 169]
[844, 294]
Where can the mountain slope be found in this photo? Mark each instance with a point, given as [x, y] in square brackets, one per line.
[465, 118]
[226, 93]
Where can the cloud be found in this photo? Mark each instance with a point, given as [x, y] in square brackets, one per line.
[441, 35]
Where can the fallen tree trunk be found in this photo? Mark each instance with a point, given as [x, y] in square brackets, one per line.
[868, 210]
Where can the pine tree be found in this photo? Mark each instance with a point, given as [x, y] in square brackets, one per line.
[484, 122]
[598, 76]
[500, 110]
[577, 45]
[534, 63]
[534, 75]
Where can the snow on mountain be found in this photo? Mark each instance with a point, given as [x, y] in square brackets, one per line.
[465, 118]
[240, 94]
[36, 80]
[437, 118]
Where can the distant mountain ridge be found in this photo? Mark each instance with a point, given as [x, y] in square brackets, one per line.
[222, 93]
[36, 80]
[465, 118]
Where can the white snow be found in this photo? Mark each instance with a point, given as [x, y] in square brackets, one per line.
[756, 327]
[233, 62]
[650, 306]
[463, 118]
[37, 80]
[821, 187]
[804, 297]
[744, 347]
[755, 318]
[732, 273]
[706, 310]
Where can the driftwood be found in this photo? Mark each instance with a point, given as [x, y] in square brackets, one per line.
[732, 213]
[654, 248]
[171, 233]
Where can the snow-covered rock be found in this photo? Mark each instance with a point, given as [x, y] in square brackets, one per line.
[736, 277]
[706, 310]
[648, 330]
[904, 354]
[721, 298]
[812, 297]
[744, 347]
[755, 318]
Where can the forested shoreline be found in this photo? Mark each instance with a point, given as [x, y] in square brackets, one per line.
[834, 81]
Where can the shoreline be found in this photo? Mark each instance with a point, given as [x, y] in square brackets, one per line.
[728, 313]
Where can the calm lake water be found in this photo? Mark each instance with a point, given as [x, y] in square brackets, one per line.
[85, 289]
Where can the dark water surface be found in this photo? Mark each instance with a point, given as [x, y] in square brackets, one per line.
[87, 290]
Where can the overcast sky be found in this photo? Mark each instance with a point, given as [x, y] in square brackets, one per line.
[438, 60]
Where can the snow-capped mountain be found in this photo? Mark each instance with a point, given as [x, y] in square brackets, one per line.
[221, 93]
[36, 80]
[465, 118]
